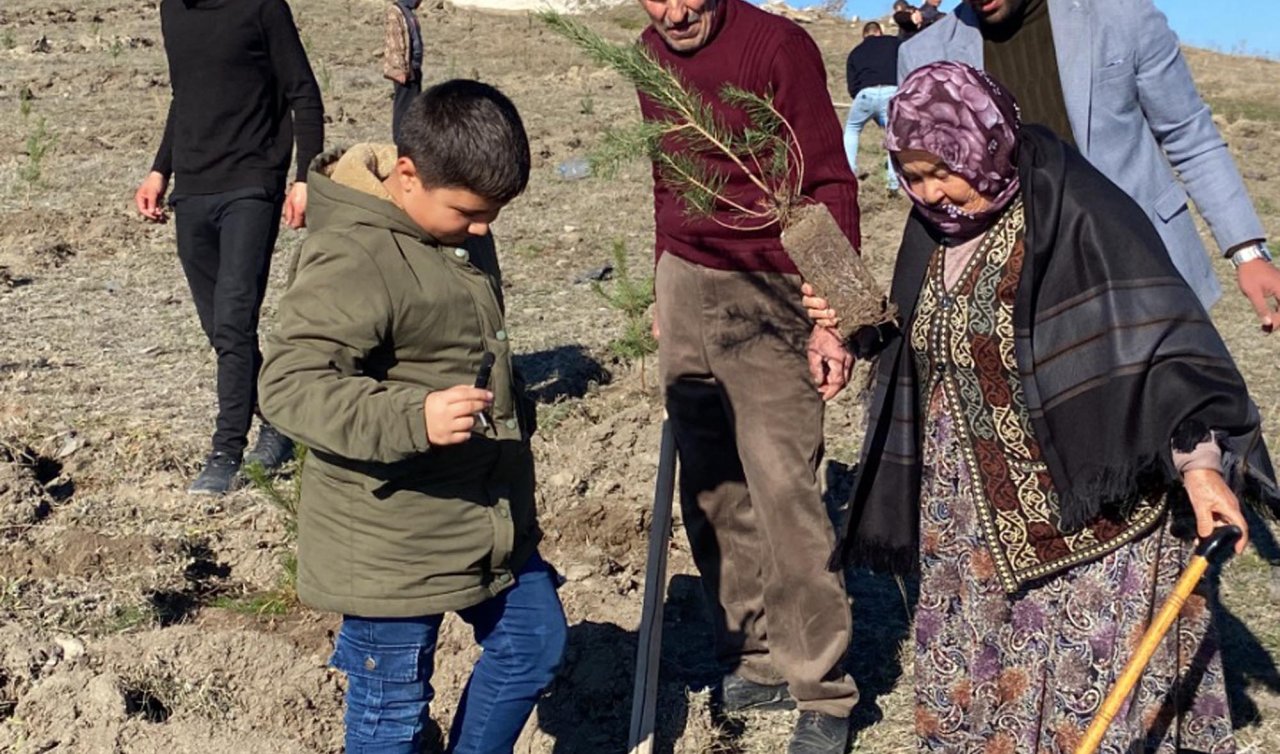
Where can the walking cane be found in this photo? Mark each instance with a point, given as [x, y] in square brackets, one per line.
[644, 696]
[1215, 548]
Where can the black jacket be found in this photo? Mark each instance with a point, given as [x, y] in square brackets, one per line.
[242, 91]
[874, 62]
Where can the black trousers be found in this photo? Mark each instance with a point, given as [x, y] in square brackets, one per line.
[401, 100]
[225, 242]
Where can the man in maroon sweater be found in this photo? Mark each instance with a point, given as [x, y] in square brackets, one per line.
[732, 350]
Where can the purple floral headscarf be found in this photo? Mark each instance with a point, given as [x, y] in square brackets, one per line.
[971, 122]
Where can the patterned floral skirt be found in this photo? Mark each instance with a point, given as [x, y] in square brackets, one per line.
[1026, 673]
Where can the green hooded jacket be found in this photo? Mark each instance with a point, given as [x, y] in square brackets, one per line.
[376, 316]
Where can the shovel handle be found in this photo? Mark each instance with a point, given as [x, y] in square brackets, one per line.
[644, 696]
[1215, 548]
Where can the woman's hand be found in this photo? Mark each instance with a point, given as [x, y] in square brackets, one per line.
[1214, 503]
[817, 308]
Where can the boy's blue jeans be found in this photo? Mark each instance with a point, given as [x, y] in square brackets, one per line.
[389, 661]
[872, 102]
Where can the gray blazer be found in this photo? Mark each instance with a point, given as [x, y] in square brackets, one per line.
[1135, 114]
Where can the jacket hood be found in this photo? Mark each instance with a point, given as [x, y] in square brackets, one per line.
[345, 188]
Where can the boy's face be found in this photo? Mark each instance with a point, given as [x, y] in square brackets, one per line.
[448, 214]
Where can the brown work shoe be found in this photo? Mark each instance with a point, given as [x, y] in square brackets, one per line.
[740, 695]
[816, 733]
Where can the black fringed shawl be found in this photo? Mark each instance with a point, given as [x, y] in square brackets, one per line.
[1116, 354]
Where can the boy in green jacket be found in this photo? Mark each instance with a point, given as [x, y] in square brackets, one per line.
[417, 498]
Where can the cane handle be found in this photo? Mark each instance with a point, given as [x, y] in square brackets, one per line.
[1220, 545]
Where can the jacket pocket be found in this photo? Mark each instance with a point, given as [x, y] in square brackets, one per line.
[1171, 201]
[1114, 69]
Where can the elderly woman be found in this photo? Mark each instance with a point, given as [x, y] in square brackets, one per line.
[1053, 418]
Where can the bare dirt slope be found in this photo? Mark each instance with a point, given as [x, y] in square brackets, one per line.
[120, 628]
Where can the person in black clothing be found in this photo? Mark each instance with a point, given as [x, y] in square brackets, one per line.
[243, 91]
[908, 19]
[872, 74]
[929, 12]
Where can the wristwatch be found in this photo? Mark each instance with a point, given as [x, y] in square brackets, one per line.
[1249, 253]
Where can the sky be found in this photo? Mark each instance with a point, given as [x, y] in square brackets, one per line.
[1247, 26]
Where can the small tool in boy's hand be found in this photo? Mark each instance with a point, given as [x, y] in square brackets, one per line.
[451, 414]
[482, 382]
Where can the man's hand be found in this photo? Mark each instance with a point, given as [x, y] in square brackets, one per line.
[1214, 503]
[149, 197]
[830, 363]
[295, 206]
[451, 413]
[1259, 281]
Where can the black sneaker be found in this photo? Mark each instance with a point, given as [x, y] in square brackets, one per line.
[219, 476]
[740, 695]
[272, 450]
[816, 733]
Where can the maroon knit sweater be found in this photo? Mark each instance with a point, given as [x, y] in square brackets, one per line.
[757, 51]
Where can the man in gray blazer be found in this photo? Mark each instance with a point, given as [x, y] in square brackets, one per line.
[1108, 76]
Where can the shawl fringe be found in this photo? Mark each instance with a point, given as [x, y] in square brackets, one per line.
[1119, 488]
[879, 556]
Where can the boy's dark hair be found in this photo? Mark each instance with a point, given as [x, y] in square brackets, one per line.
[872, 29]
[466, 134]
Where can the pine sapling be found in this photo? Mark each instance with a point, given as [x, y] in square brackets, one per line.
[766, 152]
[633, 296]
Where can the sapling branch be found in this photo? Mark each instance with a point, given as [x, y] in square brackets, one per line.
[684, 141]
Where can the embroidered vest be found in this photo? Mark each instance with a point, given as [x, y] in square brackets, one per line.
[962, 341]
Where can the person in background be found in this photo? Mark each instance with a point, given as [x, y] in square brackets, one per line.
[1109, 79]
[930, 13]
[243, 93]
[907, 18]
[402, 57]
[871, 72]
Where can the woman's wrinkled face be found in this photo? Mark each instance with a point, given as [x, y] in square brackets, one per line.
[929, 178]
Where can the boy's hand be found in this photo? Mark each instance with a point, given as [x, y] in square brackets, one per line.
[451, 413]
[149, 197]
[295, 206]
